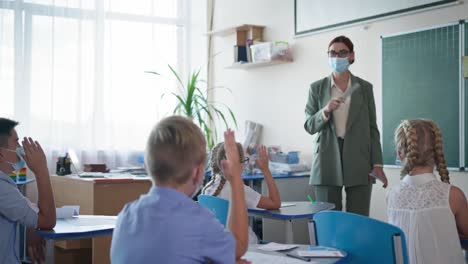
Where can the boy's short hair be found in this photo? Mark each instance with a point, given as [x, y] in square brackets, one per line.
[175, 145]
[6, 126]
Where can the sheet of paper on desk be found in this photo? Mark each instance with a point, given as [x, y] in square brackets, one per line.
[287, 204]
[272, 246]
[320, 253]
[67, 211]
[261, 258]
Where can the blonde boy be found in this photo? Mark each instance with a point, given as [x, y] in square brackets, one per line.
[166, 225]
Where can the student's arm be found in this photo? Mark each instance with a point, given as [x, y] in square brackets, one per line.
[36, 161]
[459, 208]
[237, 219]
[15, 207]
[35, 246]
[273, 200]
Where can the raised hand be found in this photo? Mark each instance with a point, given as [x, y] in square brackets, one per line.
[262, 161]
[34, 156]
[231, 166]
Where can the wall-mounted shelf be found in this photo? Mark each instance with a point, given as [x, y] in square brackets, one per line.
[243, 33]
[240, 28]
[250, 65]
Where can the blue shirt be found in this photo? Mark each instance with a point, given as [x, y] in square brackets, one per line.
[14, 209]
[166, 226]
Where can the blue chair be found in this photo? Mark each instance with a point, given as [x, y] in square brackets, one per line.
[364, 239]
[218, 206]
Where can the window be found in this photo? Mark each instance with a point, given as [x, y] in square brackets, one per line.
[73, 71]
[7, 66]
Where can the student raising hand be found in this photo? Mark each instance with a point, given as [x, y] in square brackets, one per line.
[237, 217]
[231, 166]
[224, 186]
[262, 161]
[35, 157]
[273, 199]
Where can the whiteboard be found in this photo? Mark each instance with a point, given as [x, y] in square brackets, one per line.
[318, 15]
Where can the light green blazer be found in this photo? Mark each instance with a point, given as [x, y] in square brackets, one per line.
[362, 147]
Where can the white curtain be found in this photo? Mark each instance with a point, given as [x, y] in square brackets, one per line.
[73, 73]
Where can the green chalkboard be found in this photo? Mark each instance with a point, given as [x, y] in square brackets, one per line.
[420, 79]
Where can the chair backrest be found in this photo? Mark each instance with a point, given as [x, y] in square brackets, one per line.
[218, 206]
[364, 239]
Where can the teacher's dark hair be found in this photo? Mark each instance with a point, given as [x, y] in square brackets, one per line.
[345, 40]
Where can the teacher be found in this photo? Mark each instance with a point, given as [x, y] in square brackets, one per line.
[340, 113]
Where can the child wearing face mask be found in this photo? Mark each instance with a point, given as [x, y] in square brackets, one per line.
[14, 207]
[220, 187]
[166, 225]
[432, 213]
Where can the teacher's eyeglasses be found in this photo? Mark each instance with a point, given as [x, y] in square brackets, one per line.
[245, 160]
[342, 53]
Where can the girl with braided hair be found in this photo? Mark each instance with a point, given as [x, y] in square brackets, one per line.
[220, 187]
[432, 213]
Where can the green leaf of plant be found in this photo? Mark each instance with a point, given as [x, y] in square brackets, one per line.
[233, 117]
[176, 109]
[152, 72]
[207, 112]
[220, 87]
[176, 75]
[220, 114]
[205, 127]
[182, 104]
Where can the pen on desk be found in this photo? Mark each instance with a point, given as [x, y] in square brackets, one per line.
[310, 199]
[297, 256]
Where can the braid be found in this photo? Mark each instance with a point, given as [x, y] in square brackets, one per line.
[215, 170]
[403, 137]
[421, 141]
[217, 155]
[211, 182]
[220, 187]
[413, 150]
[400, 142]
[439, 154]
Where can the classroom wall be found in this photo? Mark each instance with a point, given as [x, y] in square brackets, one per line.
[275, 96]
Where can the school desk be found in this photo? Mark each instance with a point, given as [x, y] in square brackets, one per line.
[300, 210]
[257, 256]
[292, 187]
[79, 227]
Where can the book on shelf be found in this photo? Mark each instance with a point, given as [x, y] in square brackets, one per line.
[249, 43]
[240, 53]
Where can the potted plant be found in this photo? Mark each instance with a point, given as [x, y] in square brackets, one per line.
[192, 102]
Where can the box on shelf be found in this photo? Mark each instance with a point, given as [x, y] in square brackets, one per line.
[287, 158]
[268, 51]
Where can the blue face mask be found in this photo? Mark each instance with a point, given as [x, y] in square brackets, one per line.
[17, 166]
[338, 64]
